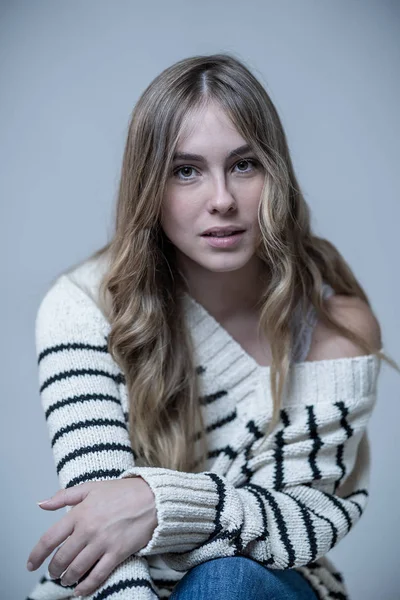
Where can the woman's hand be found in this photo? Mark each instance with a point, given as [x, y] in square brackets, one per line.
[110, 521]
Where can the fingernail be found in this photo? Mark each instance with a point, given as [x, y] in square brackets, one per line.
[43, 502]
[29, 566]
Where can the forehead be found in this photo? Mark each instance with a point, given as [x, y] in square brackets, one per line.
[205, 123]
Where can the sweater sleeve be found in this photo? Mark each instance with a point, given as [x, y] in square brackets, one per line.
[291, 503]
[80, 396]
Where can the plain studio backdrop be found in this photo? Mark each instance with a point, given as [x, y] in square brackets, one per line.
[71, 73]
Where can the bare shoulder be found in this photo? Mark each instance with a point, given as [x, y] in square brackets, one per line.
[351, 312]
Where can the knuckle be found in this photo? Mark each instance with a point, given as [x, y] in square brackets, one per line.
[101, 576]
[46, 541]
[87, 529]
[74, 573]
[96, 578]
[57, 562]
[91, 531]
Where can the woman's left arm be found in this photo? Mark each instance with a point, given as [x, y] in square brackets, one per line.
[107, 520]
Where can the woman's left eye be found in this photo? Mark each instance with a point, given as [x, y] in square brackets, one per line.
[247, 160]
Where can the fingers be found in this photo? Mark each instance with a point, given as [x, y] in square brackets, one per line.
[50, 540]
[99, 574]
[81, 564]
[66, 555]
[67, 496]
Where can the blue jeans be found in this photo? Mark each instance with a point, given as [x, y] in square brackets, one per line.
[241, 578]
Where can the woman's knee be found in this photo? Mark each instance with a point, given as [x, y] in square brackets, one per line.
[241, 578]
[233, 577]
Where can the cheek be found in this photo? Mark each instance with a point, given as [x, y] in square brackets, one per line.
[177, 217]
[179, 208]
[257, 190]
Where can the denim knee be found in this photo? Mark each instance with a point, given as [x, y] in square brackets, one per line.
[232, 577]
[241, 578]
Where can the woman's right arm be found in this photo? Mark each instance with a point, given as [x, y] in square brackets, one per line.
[79, 390]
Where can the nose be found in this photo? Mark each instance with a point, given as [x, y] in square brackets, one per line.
[221, 199]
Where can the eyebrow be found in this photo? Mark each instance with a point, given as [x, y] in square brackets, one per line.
[200, 158]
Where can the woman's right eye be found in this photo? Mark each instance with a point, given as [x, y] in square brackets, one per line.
[182, 169]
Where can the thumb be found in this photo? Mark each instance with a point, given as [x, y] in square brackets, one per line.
[65, 497]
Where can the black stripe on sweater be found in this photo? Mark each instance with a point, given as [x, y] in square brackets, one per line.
[340, 449]
[219, 533]
[280, 522]
[319, 516]
[317, 443]
[118, 378]
[362, 491]
[308, 525]
[264, 535]
[343, 421]
[96, 475]
[216, 425]
[336, 502]
[90, 450]
[312, 565]
[222, 422]
[340, 464]
[278, 453]
[228, 450]
[245, 469]
[220, 505]
[279, 484]
[71, 346]
[358, 506]
[209, 398]
[233, 536]
[80, 398]
[86, 425]
[252, 427]
[338, 576]
[110, 590]
[165, 583]
[257, 434]
[127, 584]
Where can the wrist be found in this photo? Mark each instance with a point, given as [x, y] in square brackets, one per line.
[150, 504]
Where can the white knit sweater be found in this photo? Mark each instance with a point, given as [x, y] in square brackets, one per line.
[285, 507]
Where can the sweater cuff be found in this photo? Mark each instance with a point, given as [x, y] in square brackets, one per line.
[186, 508]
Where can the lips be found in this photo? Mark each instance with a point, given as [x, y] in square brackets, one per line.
[222, 234]
[222, 231]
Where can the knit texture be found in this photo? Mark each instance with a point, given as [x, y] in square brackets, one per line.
[284, 506]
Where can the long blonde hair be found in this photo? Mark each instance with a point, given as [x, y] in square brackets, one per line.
[141, 290]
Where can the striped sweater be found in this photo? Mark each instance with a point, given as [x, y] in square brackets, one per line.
[285, 506]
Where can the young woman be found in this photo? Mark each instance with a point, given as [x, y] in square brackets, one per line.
[208, 376]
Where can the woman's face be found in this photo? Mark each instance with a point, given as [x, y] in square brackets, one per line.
[212, 190]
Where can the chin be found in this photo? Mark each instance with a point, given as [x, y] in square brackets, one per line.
[224, 264]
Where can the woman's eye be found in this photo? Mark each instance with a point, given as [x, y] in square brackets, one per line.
[184, 171]
[246, 161]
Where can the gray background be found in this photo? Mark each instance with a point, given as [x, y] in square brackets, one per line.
[70, 75]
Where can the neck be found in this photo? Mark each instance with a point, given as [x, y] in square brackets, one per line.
[228, 294]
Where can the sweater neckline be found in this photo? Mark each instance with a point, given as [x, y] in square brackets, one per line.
[233, 351]
[228, 341]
